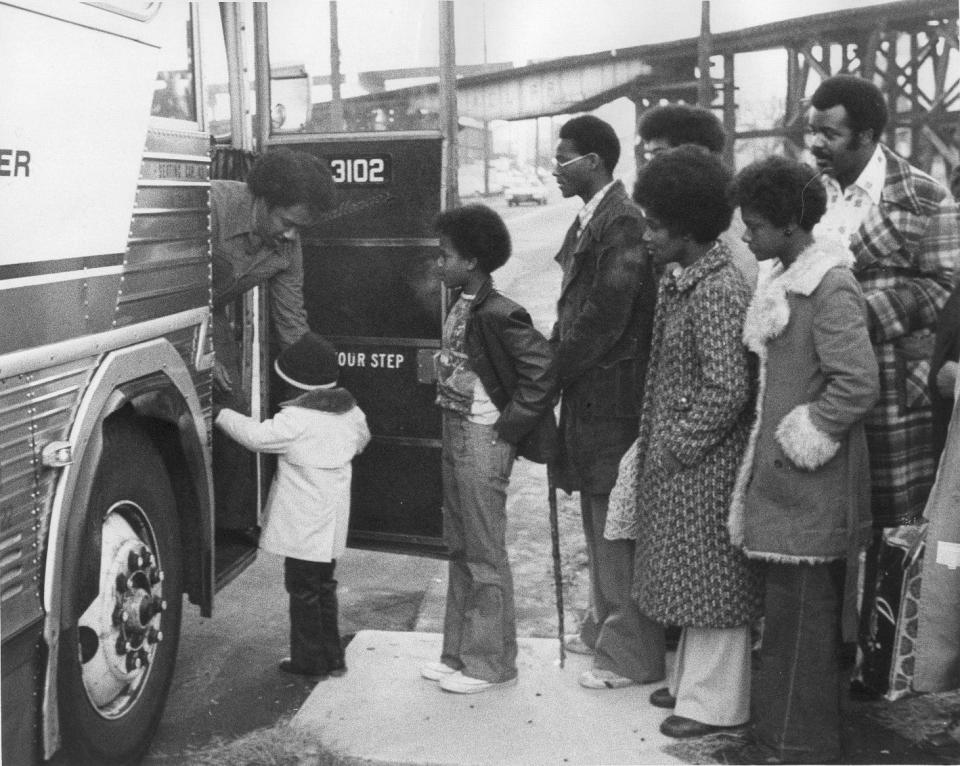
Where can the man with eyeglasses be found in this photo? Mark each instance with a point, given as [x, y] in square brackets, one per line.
[602, 338]
[902, 228]
[670, 125]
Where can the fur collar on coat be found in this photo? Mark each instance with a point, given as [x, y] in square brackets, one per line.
[769, 311]
[767, 317]
[337, 400]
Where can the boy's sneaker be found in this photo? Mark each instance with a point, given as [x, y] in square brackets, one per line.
[435, 671]
[458, 683]
[604, 679]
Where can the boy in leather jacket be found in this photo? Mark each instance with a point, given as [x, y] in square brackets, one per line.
[495, 386]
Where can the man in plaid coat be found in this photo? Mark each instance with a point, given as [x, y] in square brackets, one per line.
[904, 231]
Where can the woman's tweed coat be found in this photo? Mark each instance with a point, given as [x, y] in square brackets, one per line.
[698, 406]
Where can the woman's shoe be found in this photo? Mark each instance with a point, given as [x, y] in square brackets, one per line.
[573, 643]
[663, 698]
[682, 728]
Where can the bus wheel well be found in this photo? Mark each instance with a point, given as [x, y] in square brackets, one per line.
[167, 438]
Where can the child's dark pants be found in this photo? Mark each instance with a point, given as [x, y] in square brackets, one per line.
[314, 634]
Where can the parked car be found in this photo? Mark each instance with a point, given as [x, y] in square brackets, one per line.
[519, 190]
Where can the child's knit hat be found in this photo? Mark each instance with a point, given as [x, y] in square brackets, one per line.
[309, 363]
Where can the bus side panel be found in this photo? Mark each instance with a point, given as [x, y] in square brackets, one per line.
[35, 409]
[78, 122]
[21, 669]
[52, 311]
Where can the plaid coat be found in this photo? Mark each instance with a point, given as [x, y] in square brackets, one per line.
[906, 252]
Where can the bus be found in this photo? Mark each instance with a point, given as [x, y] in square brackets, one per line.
[114, 511]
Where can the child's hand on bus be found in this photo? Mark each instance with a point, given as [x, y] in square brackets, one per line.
[217, 409]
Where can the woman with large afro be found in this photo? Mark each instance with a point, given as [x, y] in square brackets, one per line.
[694, 425]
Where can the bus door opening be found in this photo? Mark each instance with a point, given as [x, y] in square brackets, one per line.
[372, 287]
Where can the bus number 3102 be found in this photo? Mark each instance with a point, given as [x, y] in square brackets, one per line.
[359, 170]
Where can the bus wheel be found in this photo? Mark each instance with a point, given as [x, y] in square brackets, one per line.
[122, 599]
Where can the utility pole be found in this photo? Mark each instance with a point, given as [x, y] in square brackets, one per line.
[336, 105]
[486, 124]
[536, 145]
[449, 123]
[704, 49]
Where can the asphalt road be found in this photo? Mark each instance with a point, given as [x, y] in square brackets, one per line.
[227, 682]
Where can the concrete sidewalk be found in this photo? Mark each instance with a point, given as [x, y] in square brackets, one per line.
[383, 711]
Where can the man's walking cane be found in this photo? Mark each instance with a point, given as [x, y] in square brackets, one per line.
[555, 539]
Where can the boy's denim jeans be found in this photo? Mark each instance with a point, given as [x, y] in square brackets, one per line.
[796, 708]
[479, 629]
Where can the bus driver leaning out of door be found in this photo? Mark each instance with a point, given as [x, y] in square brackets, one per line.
[255, 234]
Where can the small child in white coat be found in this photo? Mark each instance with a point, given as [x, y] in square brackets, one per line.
[316, 435]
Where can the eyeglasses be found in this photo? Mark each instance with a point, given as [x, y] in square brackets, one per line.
[561, 165]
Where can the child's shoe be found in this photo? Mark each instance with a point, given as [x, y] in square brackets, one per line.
[287, 666]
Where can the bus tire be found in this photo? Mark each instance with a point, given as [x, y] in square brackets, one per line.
[121, 609]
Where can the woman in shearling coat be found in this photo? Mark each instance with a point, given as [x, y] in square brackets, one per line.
[693, 430]
[802, 501]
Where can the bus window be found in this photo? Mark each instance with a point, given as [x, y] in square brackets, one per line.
[175, 88]
[342, 61]
[290, 99]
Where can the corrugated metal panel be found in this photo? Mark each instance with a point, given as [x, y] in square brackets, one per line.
[34, 410]
[167, 264]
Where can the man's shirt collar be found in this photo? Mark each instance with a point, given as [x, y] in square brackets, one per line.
[870, 181]
[587, 211]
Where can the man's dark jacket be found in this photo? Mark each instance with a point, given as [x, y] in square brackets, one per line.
[513, 361]
[602, 337]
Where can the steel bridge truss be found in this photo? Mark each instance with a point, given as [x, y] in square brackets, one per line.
[909, 49]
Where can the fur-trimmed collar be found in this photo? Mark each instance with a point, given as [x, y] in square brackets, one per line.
[324, 399]
[769, 311]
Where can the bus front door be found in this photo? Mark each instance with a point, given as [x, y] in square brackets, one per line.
[372, 287]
